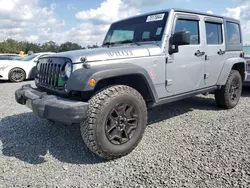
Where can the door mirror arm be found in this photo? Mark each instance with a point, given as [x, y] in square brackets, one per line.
[172, 48]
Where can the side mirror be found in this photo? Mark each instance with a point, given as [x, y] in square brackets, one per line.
[179, 39]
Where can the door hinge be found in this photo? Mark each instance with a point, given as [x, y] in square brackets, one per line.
[169, 82]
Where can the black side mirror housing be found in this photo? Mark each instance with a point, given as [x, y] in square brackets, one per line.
[181, 38]
[178, 39]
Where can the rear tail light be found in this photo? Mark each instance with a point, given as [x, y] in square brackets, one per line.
[242, 55]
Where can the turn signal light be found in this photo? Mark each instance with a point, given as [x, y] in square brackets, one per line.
[92, 82]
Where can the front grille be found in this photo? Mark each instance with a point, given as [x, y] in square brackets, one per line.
[51, 73]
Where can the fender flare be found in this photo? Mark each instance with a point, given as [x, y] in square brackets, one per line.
[226, 69]
[79, 78]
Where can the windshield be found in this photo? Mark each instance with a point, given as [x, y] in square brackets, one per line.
[246, 50]
[139, 29]
[30, 57]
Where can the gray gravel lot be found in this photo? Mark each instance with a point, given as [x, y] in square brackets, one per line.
[190, 143]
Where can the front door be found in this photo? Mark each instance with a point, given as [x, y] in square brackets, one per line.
[185, 69]
[215, 50]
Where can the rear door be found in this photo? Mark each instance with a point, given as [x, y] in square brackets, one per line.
[215, 49]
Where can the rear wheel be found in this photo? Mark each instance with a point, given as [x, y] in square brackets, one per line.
[229, 95]
[117, 118]
[17, 75]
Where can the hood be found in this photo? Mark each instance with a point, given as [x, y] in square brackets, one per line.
[112, 53]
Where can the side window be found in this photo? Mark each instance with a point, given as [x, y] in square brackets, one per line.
[233, 33]
[214, 33]
[191, 26]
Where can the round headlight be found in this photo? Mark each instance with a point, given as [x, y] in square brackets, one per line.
[68, 69]
[38, 66]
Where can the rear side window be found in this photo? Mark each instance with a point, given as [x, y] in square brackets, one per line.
[214, 33]
[191, 26]
[233, 33]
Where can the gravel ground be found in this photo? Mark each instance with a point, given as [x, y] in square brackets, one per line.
[190, 143]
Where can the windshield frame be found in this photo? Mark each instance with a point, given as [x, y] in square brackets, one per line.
[135, 41]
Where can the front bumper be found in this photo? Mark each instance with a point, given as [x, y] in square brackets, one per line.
[52, 107]
[3, 75]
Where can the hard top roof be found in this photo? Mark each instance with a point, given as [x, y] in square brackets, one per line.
[185, 11]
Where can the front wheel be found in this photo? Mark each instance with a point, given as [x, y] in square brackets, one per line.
[117, 118]
[17, 75]
[229, 95]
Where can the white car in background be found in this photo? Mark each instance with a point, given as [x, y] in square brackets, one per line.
[20, 70]
[10, 57]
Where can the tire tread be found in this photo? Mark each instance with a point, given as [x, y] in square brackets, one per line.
[222, 95]
[96, 105]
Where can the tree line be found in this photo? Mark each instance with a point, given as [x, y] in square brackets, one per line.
[13, 46]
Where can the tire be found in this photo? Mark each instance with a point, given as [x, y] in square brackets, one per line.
[17, 75]
[117, 118]
[229, 95]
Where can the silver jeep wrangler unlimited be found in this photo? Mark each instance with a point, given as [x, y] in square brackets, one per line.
[145, 61]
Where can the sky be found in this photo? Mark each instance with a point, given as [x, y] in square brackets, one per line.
[87, 21]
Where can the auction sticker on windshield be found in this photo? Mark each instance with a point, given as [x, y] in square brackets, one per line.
[156, 17]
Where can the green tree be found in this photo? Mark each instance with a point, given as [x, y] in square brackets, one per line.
[13, 46]
[50, 46]
[67, 46]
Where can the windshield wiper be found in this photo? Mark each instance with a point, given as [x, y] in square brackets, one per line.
[121, 42]
[129, 41]
[108, 44]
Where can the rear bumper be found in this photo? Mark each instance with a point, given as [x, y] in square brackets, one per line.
[52, 107]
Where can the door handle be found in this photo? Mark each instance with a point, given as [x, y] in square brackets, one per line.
[220, 52]
[199, 53]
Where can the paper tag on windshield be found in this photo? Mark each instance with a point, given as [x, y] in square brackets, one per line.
[156, 17]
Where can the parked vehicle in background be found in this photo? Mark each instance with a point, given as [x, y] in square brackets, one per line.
[146, 61]
[19, 70]
[10, 57]
[247, 58]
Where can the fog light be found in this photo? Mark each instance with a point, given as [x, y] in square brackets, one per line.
[92, 82]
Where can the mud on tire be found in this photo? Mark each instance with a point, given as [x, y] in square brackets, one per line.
[117, 118]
